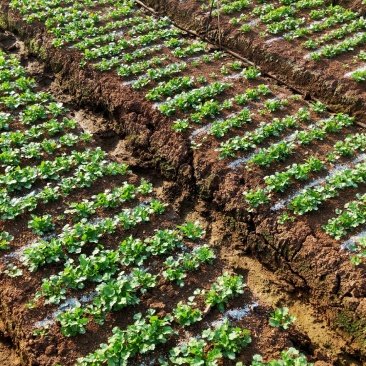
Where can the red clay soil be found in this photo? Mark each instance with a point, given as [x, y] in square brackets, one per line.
[311, 263]
[323, 80]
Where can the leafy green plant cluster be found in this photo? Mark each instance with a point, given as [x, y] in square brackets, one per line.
[251, 73]
[281, 181]
[285, 25]
[13, 271]
[135, 68]
[273, 105]
[285, 16]
[16, 146]
[359, 75]
[97, 267]
[41, 224]
[338, 33]
[234, 6]
[346, 220]
[89, 166]
[5, 239]
[115, 46]
[351, 144]
[128, 63]
[359, 251]
[325, 18]
[309, 199]
[140, 337]
[136, 251]
[193, 98]
[226, 287]
[252, 138]
[171, 87]
[73, 238]
[97, 33]
[177, 267]
[192, 230]
[73, 322]
[290, 357]
[107, 199]
[113, 294]
[101, 265]
[281, 150]
[191, 49]
[332, 50]
[154, 74]
[185, 314]
[221, 127]
[318, 107]
[281, 318]
[224, 341]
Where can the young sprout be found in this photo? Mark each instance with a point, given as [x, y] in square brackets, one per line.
[245, 28]
[281, 318]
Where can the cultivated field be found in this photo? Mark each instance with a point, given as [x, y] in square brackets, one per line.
[170, 176]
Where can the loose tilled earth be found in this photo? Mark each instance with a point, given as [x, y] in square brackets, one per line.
[294, 264]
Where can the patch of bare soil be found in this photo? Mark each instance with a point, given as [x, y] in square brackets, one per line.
[8, 355]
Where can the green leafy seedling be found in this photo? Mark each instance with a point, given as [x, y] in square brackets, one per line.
[281, 318]
[192, 230]
[13, 271]
[5, 239]
[185, 314]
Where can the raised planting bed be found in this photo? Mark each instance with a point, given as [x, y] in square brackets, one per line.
[92, 255]
[313, 46]
[276, 167]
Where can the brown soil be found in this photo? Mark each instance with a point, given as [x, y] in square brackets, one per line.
[310, 265]
[8, 356]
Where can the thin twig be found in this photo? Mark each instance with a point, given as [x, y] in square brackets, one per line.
[151, 10]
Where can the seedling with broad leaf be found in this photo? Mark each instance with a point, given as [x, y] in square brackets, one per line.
[281, 318]
[185, 314]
